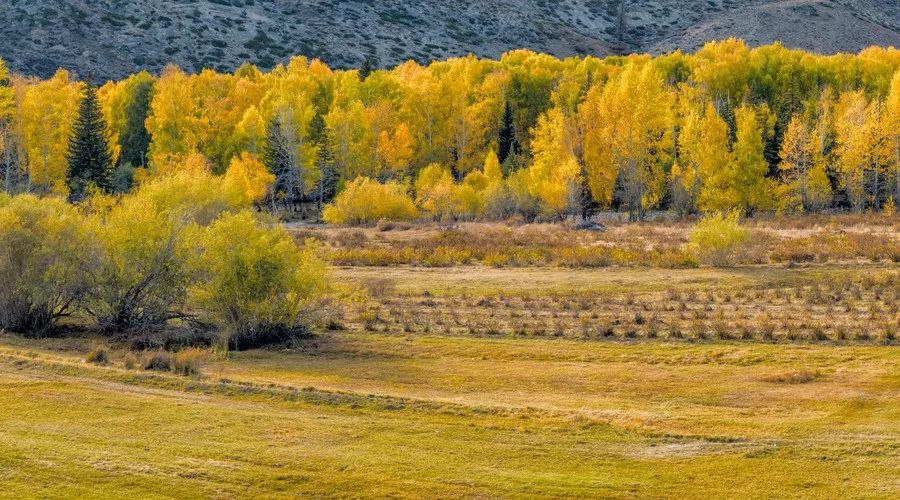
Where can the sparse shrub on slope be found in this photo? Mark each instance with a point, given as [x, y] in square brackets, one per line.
[43, 251]
[255, 282]
[718, 238]
[366, 201]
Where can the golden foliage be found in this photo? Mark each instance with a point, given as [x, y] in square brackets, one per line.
[366, 200]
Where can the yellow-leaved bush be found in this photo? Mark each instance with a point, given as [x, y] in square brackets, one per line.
[718, 238]
[140, 280]
[366, 200]
[181, 247]
[255, 282]
[247, 180]
[191, 233]
[44, 249]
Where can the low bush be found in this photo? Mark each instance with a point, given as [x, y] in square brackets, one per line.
[141, 278]
[44, 253]
[365, 201]
[160, 361]
[188, 361]
[97, 356]
[718, 238]
[255, 282]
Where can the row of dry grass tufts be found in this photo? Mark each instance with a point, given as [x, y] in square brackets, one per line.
[848, 308]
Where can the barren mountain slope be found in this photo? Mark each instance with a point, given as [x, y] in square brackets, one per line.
[111, 38]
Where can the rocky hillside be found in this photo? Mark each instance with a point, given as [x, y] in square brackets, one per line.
[111, 38]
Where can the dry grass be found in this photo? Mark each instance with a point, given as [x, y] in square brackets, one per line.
[811, 305]
[832, 239]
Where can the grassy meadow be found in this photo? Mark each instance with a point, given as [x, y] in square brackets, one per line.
[482, 381]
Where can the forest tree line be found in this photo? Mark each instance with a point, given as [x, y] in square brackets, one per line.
[530, 135]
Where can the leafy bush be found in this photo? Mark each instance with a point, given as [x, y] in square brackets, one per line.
[255, 282]
[43, 251]
[187, 361]
[140, 280]
[366, 201]
[719, 237]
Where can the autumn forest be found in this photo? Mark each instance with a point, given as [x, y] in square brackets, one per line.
[768, 129]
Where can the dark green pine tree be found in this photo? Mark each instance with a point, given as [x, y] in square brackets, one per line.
[506, 141]
[89, 160]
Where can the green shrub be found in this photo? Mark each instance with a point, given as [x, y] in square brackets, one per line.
[141, 278]
[718, 238]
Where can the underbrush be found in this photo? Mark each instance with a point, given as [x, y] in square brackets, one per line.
[185, 362]
[180, 250]
[497, 246]
[639, 245]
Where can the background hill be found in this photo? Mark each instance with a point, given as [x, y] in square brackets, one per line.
[112, 38]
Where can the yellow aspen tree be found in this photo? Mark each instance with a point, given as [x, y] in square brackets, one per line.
[48, 113]
[851, 145]
[111, 98]
[396, 150]
[425, 107]
[796, 159]
[628, 138]
[721, 68]
[702, 154]
[250, 133]
[7, 128]
[345, 132]
[742, 184]
[172, 121]
[492, 169]
[290, 151]
[554, 176]
[891, 127]
[818, 189]
[878, 154]
[435, 191]
[247, 180]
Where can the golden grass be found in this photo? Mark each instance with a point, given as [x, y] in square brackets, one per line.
[483, 382]
[452, 417]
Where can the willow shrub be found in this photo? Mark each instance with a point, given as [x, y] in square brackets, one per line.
[147, 239]
[366, 201]
[255, 282]
[718, 238]
[44, 254]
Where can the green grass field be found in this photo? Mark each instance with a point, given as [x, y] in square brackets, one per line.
[388, 413]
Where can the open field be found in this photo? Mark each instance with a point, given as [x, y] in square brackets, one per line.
[401, 409]
[438, 416]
